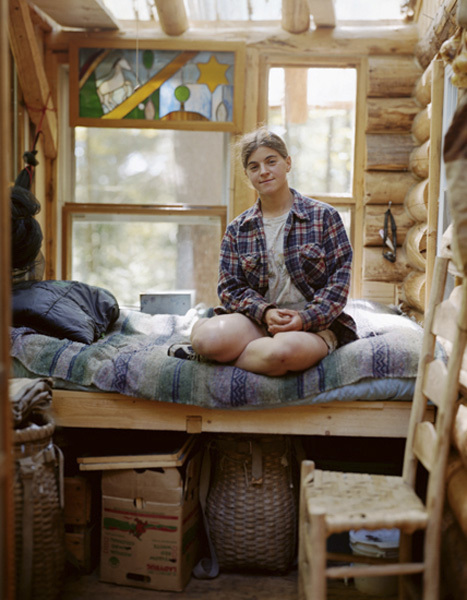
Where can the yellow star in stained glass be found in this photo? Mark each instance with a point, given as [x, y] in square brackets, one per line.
[212, 73]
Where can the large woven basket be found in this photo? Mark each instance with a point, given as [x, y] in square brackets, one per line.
[251, 508]
[39, 525]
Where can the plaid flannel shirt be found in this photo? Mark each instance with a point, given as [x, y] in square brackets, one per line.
[318, 258]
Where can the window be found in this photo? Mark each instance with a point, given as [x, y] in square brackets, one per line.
[150, 166]
[150, 209]
[313, 109]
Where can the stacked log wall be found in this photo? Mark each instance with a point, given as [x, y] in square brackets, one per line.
[413, 287]
[391, 111]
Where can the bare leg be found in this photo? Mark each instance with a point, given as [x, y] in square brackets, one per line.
[224, 337]
[287, 351]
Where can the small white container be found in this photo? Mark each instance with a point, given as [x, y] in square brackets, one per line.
[175, 302]
[380, 542]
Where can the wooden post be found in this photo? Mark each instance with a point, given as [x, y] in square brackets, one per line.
[243, 195]
[436, 132]
[172, 16]
[295, 16]
[296, 105]
[324, 13]
[31, 73]
[50, 237]
[358, 183]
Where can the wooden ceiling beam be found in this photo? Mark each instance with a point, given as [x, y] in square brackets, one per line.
[323, 12]
[339, 42]
[31, 73]
[295, 16]
[85, 14]
[172, 16]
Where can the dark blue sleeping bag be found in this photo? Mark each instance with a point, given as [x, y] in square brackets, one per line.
[64, 309]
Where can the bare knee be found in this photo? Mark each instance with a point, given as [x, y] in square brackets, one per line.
[288, 353]
[278, 355]
[206, 340]
[223, 338]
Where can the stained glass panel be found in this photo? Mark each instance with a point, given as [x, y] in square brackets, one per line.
[155, 88]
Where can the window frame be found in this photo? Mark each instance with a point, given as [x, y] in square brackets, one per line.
[353, 200]
[67, 186]
[182, 211]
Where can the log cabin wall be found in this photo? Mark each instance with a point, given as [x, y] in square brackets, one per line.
[391, 110]
[403, 158]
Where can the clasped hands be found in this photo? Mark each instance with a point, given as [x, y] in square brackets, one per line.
[282, 319]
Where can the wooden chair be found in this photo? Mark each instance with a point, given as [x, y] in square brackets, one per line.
[336, 502]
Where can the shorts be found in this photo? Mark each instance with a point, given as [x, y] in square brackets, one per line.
[330, 338]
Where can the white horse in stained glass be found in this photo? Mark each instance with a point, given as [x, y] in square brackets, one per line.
[114, 88]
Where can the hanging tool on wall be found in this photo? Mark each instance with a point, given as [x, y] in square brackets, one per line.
[26, 175]
[390, 242]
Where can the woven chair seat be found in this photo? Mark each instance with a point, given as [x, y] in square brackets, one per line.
[363, 501]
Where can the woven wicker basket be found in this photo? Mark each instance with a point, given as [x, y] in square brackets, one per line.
[251, 507]
[39, 525]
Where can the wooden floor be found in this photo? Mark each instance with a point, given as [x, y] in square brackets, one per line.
[225, 587]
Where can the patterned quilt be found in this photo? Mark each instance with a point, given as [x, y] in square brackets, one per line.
[131, 359]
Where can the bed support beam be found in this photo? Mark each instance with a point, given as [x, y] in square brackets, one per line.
[114, 411]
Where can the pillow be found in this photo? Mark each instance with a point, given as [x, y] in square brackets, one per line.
[64, 309]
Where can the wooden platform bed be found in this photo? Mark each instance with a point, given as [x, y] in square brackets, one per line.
[387, 419]
[127, 380]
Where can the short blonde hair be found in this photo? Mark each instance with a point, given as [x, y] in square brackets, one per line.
[260, 137]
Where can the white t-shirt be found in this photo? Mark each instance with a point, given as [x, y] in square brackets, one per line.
[282, 291]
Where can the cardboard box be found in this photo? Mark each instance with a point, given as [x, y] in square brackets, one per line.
[151, 523]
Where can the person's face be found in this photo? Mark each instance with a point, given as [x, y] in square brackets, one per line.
[267, 170]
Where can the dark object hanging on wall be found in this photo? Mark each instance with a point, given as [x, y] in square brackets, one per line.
[390, 242]
[26, 175]
[26, 232]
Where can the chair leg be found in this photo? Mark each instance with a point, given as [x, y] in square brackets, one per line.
[405, 554]
[318, 562]
[431, 575]
[312, 545]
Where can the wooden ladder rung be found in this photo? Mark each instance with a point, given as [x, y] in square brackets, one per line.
[434, 381]
[424, 444]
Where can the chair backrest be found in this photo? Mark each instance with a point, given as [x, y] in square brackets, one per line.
[429, 443]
